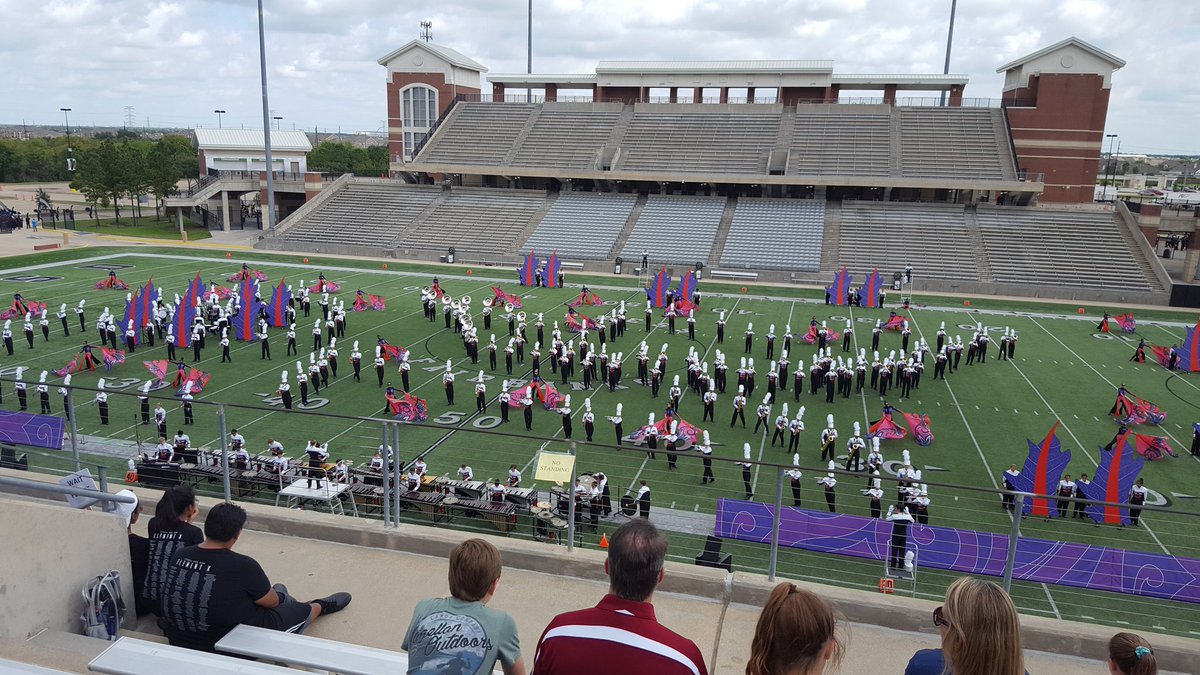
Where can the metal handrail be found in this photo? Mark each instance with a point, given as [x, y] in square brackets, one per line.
[65, 490]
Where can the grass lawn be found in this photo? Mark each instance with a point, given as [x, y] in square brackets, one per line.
[147, 228]
[981, 416]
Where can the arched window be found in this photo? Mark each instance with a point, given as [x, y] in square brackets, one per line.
[419, 105]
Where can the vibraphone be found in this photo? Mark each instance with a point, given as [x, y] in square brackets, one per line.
[468, 490]
[502, 515]
[429, 503]
[522, 497]
[370, 496]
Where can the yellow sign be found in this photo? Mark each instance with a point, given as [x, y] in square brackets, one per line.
[555, 467]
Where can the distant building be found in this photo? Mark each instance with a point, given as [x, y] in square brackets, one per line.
[244, 150]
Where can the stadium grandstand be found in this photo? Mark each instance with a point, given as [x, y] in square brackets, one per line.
[771, 170]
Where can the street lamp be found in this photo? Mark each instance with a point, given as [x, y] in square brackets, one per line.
[1108, 165]
[219, 113]
[70, 151]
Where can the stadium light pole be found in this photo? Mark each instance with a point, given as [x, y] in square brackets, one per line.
[266, 109]
[529, 51]
[70, 153]
[949, 42]
[219, 113]
[1108, 165]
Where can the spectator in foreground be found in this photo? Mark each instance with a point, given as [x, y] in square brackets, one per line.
[981, 633]
[170, 530]
[238, 590]
[621, 634]
[795, 634]
[461, 634]
[1130, 654]
[139, 549]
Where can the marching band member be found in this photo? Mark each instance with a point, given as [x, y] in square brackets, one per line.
[379, 364]
[224, 345]
[643, 500]
[739, 407]
[721, 327]
[480, 394]
[675, 393]
[749, 336]
[302, 382]
[827, 439]
[160, 418]
[29, 329]
[144, 399]
[291, 339]
[323, 367]
[514, 476]
[317, 454]
[465, 473]
[651, 436]
[79, 312]
[64, 390]
[854, 448]
[616, 420]
[285, 391]
[705, 449]
[8, 336]
[747, 471]
[187, 399]
[45, 325]
[101, 397]
[764, 411]
[794, 477]
[828, 482]
[795, 427]
[710, 403]
[43, 390]
[19, 386]
[922, 502]
[771, 342]
[314, 373]
[448, 383]
[875, 494]
[589, 419]
[527, 410]
[504, 399]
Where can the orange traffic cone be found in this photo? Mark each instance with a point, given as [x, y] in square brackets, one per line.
[603, 541]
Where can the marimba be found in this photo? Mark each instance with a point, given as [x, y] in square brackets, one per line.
[428, 503]
[468, 490]
[523, 497]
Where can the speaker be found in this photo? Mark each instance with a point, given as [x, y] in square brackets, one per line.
[711, 556]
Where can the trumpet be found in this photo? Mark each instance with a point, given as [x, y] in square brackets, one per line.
[521, 316]
[508, 308]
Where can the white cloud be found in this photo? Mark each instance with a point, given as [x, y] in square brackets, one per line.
[175, 60]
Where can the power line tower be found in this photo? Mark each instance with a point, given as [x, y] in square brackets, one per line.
[427, 31]
[129, 117]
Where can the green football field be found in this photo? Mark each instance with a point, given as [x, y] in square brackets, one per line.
[981, 415]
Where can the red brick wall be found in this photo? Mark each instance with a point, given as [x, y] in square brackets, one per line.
[203, 168]
[1069, 109]
[397, 82]
[790, 95]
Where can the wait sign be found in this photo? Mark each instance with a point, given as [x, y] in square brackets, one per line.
[555, 466]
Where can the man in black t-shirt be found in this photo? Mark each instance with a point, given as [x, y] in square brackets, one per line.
[238, 591]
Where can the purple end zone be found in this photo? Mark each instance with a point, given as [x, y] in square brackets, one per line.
[1099, 568]
[39, 431]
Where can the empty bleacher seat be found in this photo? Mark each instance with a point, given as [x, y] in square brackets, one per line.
[781, 234]
[933, 238]
[479, 134]
[581, 225]
[835, 139]
[677, 230]
[366, 212]
[699, 142]
[1038, 246]
[954, 143]
[476, 219]
[566, 138]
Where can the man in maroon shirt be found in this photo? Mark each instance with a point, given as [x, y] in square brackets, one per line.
[621, 633]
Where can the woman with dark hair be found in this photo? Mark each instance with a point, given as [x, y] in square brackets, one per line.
[1130, 654]
[795, 635]
[169, 530]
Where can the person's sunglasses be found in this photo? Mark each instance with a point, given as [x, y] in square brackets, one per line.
[939, 618]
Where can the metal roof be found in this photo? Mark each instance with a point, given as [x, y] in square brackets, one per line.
[452, 56]
[537, 78]
[913, 81]
[251, 139]
[1071, 41]
[680, 67]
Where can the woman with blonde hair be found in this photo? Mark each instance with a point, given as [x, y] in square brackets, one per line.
[795, 634]
[1130, 654]
[981, 634]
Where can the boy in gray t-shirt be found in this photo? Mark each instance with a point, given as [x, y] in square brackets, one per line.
[460, 634]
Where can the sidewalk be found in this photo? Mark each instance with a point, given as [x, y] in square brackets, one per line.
[23, 242]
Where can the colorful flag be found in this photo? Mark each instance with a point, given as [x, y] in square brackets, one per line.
[1113, 480]
[1044, 466]
[553, 267]
[281, 296]
[871, 288]
[840, 286]
[526, 274]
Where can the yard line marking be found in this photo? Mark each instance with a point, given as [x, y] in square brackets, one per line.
[1066, 428]
[966, 424]
[1053, 605]
[761, 445]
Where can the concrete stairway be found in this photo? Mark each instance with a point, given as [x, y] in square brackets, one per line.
[618, 134]
[895, 161]
[629, 224]
[714, 256]
[976, 238]
[520, 139]
[1008, 163]
[833, 235]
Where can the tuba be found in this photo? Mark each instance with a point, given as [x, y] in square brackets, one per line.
[508, 308]
[487, 302]
[466, 301]
[521, 317]
[446, 299]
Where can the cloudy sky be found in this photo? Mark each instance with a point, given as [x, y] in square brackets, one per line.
[175, 61]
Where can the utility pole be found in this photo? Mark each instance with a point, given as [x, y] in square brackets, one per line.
[529, 51]
[266, 111]
[427, 31]
[129, 116]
